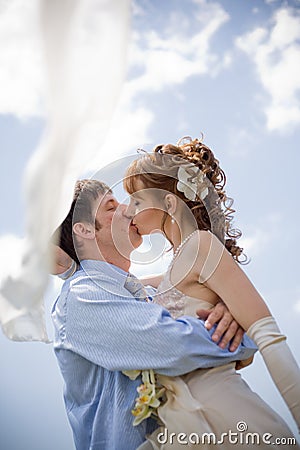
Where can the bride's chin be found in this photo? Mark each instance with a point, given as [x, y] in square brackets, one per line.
[135, 239]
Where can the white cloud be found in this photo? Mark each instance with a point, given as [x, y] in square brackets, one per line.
[137, 9]
[174, 54]
[128, 132]
[87, 44]
[21, 80]
[258, 237]
[165, 58]
[297, 306]
[239, 142]
[162, 59]
[152, 258]
[252, 244]
[276, 54]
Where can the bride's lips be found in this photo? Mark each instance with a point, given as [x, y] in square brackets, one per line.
[132, 225]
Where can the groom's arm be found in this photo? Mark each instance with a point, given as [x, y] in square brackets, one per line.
[227, 329]
[109, 327]
[62, 262]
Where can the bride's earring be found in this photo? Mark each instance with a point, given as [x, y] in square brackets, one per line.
[170, 204]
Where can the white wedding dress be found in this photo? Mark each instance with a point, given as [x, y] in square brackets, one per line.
[212, 401]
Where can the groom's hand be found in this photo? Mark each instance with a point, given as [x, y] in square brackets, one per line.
[227, 328]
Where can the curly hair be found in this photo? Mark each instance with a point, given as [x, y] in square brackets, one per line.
[159, 169]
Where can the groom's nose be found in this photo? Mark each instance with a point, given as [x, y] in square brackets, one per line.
[124, 211]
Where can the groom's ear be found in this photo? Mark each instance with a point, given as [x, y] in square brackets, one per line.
[170, 203]
[84, 230]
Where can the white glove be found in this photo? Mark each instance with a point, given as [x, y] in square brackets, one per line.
[279, 360]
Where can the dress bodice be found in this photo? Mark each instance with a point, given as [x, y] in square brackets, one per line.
[176, 302]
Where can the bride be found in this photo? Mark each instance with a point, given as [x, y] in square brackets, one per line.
[179, 190]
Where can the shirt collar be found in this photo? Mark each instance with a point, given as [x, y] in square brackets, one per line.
[89, 265]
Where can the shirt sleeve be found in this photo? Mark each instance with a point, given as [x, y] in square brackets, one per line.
[106, 325]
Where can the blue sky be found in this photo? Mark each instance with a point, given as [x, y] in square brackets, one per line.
[229, 69]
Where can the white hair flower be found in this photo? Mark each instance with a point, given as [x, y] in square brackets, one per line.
[191, 182]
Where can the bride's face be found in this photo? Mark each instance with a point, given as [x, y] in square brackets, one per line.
[146, 210]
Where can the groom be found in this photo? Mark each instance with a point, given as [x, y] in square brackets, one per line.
[103, 326]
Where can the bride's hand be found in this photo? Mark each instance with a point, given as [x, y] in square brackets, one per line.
[227, 328]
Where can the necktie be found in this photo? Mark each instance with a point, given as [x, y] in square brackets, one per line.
[136, 288]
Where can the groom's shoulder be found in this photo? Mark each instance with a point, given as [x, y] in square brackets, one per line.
[91, 278]
[95, 283]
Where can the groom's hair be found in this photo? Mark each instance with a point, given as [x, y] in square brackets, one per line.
[82, 210]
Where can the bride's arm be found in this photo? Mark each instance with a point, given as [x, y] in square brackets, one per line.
[63, 265]
[221, 273]
[217, 270]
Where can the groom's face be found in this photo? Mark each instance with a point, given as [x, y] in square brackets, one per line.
[115, 229]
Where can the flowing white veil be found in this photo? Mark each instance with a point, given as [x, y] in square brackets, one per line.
[84, 45]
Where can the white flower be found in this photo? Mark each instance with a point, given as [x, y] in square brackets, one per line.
[150, 395]
[190, 179]
[132, 374]
[141, 413]
[204, 193]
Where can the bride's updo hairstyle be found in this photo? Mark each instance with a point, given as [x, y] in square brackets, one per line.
[159, 169]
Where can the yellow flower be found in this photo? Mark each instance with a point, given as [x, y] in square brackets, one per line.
[150, 396]
[144, 389]
[141, 413]
[144, 399]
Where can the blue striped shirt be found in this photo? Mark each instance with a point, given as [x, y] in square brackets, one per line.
[100, 330]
